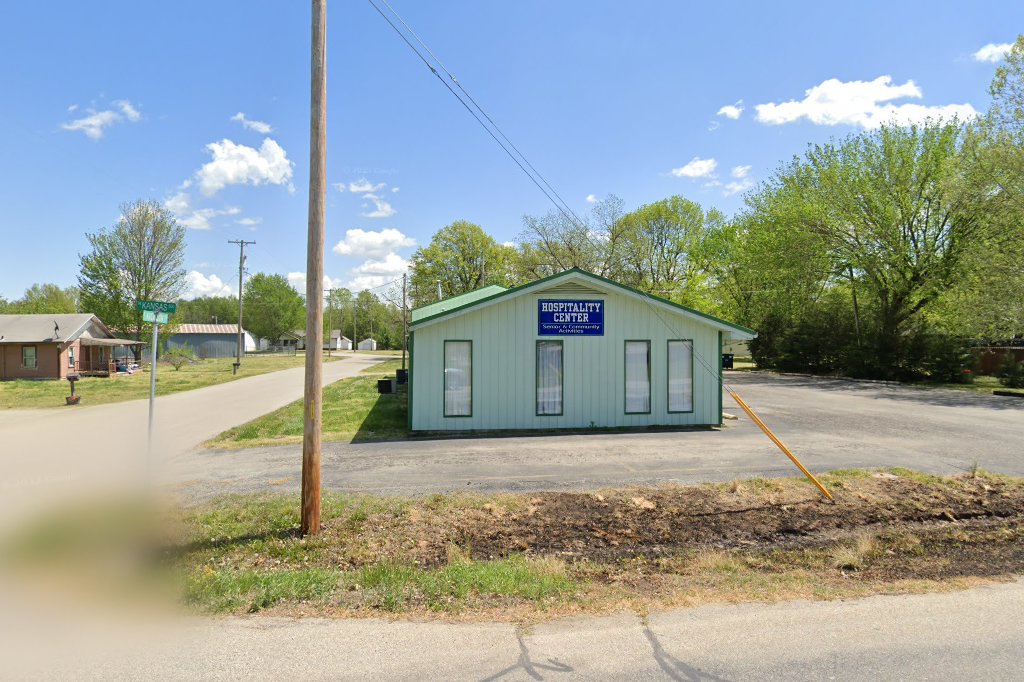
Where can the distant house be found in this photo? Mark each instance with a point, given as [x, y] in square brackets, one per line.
[368, 344]
[54, 346]
[210, 340]
[296, 339]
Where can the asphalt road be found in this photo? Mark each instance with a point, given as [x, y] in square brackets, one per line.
[972, 635]
[48, 455]
[829, 424]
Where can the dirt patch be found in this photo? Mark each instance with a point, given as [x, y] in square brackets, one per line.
[760, 515]
[553, 553]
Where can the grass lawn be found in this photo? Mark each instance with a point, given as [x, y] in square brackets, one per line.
[353, 411]
[97, 390]
[981, 384]
[524, 556]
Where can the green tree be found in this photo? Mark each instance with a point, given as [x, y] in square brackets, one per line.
[663, 248]
[557, 241]
[46, 298]
[208, 310]
[140, 258]
[462, 257]
[272, 306]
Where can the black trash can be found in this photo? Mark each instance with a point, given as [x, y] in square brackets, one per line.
[385, 386]
[402, 376]
[727, 360]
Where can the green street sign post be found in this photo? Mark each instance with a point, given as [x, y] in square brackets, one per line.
[155, 312]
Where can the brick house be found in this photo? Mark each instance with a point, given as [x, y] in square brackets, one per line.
[54, 346]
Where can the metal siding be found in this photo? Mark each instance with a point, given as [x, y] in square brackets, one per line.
[504, 373]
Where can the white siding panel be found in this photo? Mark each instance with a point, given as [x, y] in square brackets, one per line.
[504, 372]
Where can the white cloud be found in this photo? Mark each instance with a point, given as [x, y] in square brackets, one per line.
[374, 273]
[94, 124]
[395, 189]
[129, 111]
[993, 52]
[863, 103]
[591, 199]
[383, 209]
[298, 282]
[259, 126]
[249, 222]
[373, 245]
[361, 186]
[196, 218]
[740, 171]
[737, 186]
[696, 168]
[511, 245]
[237, 164]
[203, 285]
[732, 111]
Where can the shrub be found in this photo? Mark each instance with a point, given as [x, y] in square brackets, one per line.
[1011, 373]
[178, 357]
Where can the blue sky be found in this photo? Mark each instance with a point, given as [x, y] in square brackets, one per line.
[205, 106]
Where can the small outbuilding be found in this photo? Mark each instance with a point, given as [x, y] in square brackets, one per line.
[54, 346]
[337, 341]
[574, 350]
[209, 340]
[368, 344]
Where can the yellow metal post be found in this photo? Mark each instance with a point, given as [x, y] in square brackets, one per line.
[779, 443]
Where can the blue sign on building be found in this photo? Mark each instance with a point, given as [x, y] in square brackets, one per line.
[567, 317]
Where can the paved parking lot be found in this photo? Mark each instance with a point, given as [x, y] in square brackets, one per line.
[829, 424]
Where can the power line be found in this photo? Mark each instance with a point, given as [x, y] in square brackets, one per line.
[562, 208]
[481, 110]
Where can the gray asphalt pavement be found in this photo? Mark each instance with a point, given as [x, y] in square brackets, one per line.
[971, 635]
[829, 424]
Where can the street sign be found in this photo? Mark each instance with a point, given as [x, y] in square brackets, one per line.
[153, 316]
[156, 306]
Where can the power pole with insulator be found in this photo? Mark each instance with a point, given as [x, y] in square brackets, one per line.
[241, 272]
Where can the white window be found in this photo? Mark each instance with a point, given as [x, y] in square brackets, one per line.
[638, 377]
[28, 357]
[458, 378]
[680, 376]
[549, 378]
[71, 357]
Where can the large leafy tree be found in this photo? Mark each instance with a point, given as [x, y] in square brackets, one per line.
[208, 310]
[463, 257]
[559, 241]
[46, 298]
[663, 248]
[140, 258]
[887, 212]
[272, 306]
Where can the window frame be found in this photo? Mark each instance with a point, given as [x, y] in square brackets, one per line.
[71, 357]
[625, 378]
[444, 379]
[668, 378]
[536, 378]
[35, 356]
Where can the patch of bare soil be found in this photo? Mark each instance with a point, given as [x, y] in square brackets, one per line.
[959, 526]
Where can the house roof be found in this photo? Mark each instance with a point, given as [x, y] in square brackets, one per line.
[460, 301]
[41, 328]
[207, 329]
[493, 294]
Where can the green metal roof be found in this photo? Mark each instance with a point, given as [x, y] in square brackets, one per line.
[454, 302]
[473, 298]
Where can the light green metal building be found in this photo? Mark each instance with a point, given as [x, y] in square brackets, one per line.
[573, 350]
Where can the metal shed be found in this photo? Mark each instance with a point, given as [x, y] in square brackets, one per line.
[210, 340]
[574, 350]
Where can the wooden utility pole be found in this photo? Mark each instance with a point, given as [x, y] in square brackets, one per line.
[239, 349]
[405, 320]
[315, 272]
[330, 320]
